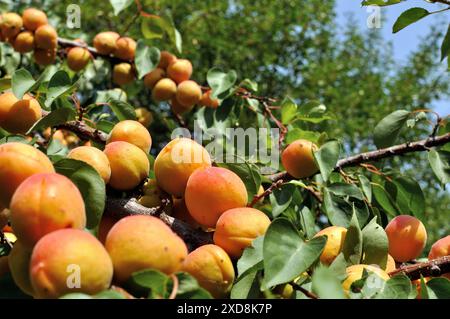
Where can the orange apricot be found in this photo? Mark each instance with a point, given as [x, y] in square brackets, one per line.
[7, 100]
[144, 116]
[335, 243]
[22, 115]
[11, 25]
[125, 48]
[440, 248]
[355, 272]
[132, 132]
[208, 101]
[33, 18]
[298, 159]
[19, 264]
[164, 90]
[181, 212]
[106, 42]
[123, 74]
[94, 157]
[166, 58]
[180, 70]
[179, 109]
[44, 57]
[153, 77]
[188, 93]
[24, 42]
[46, 37]
[78, 58]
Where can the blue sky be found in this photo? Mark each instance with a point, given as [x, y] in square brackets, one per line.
[405, 41]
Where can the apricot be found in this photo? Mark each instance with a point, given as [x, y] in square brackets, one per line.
[140, 242]
[176, 162]
[152, 196]
[33, 19]
[407, 238]
[94, 157]
[44, 57]
[298, 159]
[7, 100]
[177, 108]
[46, 37]
[188, 93]
[164, 90]
[166, 58]
[106, 223]
[123, 74]
[416, 284]
[180, 70]
[153, 77]
[238, 227]
[24, 42]
[18, 162]
[144, 116]
[125, 48]
[106, 42]
[207, 101]
[129, 165]
[355, 272]
[440, 248]
[132, 132]
[11, 25]
[69, 260]
[22, 115]
[19, 265]
[181, 212]
[335, 243]
[78, 58]
[212, 268]
[390, 265]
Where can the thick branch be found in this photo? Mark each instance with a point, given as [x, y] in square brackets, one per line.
[433, 268]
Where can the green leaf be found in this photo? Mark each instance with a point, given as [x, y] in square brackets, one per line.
[122, 110]
[353, 244]
[147, 58]
[188, 288]
[120, 5]
[90, 184]
[220, 82]
[366, 187]
[375, 244]
[326, 285]
[59, 84]
[409, 196]
[288, 110]
[387, 130]
[307, 222]
[280, 199]
[445, 47]
[380, 3]
[149, 281]
[54, 118]
[22, 82]
[106, 294]
[252, 256]
[440, 164]
[297, 134]
[408, 17]
[154, 27]
[384, 199]
[327, 157]
[397, 287]
[343, 189]
[424, 294]
[5, 84]
[340, 211]
[439, 288]
[5, 249]
[286, 255]
[247, 286]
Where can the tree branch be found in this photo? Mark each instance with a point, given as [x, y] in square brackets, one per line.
[433, 268]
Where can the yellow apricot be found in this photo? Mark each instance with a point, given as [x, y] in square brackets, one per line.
[153, 77]
[166, 59]
[132, 132]
[78, 58]
[335, 243]
[298, 159]
[22, 115]
[355, 272]
[212, 268]
[125, 48]
[19, 264]
[44, 57]
[144, 116]
[11, 25]
[164, 90]
[440, 248]
[123, 74]
[106, 42]
[188, 93]
[94, 157]
[7, 100]
[24, 42]
[46, 37]
[33, 19]
[180, 70]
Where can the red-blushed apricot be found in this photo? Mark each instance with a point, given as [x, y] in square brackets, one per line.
[153, 77]
[125, 48]
[188, 93]
[335, 243]
[152, 195]
[11, 25]
[44, 203]
[176, 162]
[179, 109]
[166, 59]
[212, 191]
[407, 238]
[180, 70]
[44, 57]
[238, 227]
[7, 100]
[18, 162]
[22, 115]
[78, 58]
[440, 248]
[355, 272]
[129, 165]
[106, 42]
[298, 159]
[46, 37]
[69, 260]
[181, 212]
[106, 223]
[94, 157]
[132, 132]
[33, 18]
[19, 264]
[164, 90]
[24, 42]
[390, 264]
[144, 116]
[140, 242]
[208, 101]
[123, 74]
[212, 268]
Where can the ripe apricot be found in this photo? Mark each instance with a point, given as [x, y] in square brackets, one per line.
[176, 162]
[11, 25]
[129, 165]
[44, 57]
[144, 116]
[298, 159]
[33, 19]
[152, 196]
[46, 37]
[18, 162]
[188, 93]
[44, 203]
[181, 212]
[132, 132]
[22, 115]
[153, 77]
[78, 58]
[212, 268]
[355, 272]
[140, 242]
[106, 42]
[238, 227]
[123, 74]
[19, 264]
[212, 191]
[164, 90]
[407, 238]
[177, 108]
[94, 157]
[166, 58]
[207, 101]
[440, 248]
[24, 42]
[180, 70]
[7, 100]
[125, 48]
[69, 260]
[335, 243]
